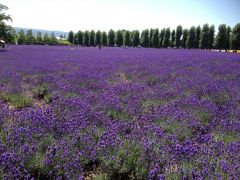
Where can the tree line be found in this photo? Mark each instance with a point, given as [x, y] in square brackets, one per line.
[193, 38]
[6, 31]
[29, 39]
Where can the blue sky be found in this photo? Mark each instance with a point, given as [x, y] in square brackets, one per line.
[76, 15]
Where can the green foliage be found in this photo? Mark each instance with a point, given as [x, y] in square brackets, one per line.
[136, 38]
[111, 37]
[3, 16]
[116, 114]
[46, 39]
[221, 36]
[100, 177]
[21, 37]
[191, 38]
[236, 37]
[145, 39]
[104, 38]
[45, 142]
[54, 40]
[126, 38]
[92, 38]
[98, 37]
[39, 39]
[186, 133]
[63, 42]
[17, 100]
[221, 98]
[204, 38]
[42, 89]
[70, 36]
[35, 166]
[228, 37]
[173, 176]
[75, 39]
[30, 39]
[151, 103]
[119, 38]
[155, 38]
[3, 136]
[211, 36]
[178, 36]
[42, 92]
[150, 37]
[226, 137]
[152, 80]
[70, 94]
[197, 36]
[203, 116]
[4, 81]
[173, 38]
[80, 38]
[128, 161]
[171, 127]
[166, 38]
[86, 38]
[184, 38]
[161, 37]
[6, 31]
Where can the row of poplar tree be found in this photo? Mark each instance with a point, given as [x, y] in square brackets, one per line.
[29, 39]
[196, 37]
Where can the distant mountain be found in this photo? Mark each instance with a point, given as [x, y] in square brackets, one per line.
[57, 33]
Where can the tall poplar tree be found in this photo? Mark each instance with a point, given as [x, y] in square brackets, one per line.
[80, 38]
[86, 38]
[145, 39]
[136, 38]
[184, 38]
[104, 38]
[111, 37]
[211, 36]
[221, 37]
[197, 37]
[228, 37]
[119, 38]
[126, 38]
[161, 37]
[204, 38]
[98, 37]
[166, 38]
[191, 38]
[155, 38]
[178, 36]
[92, 38]
[39, 39]
[150, 36]
[173, 38]
[236, 37]
[71, 36]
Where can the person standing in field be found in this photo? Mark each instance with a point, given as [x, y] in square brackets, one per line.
[99, 46]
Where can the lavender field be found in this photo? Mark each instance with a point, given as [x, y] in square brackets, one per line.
[84, 113]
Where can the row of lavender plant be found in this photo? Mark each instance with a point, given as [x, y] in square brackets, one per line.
[114, 113]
